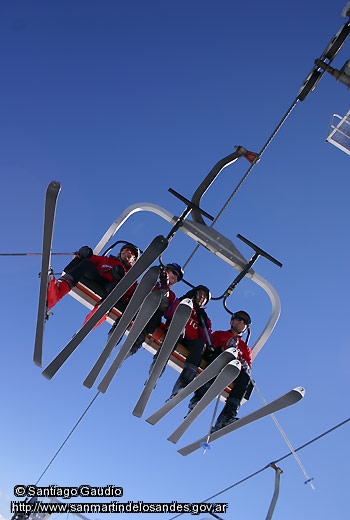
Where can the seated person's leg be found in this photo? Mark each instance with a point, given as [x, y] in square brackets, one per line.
[85, 269]
[58, 288]
[233, 402]
[192, 363]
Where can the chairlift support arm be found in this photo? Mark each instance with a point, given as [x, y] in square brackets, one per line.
[191, 206]
[214, 172]
[278, 472]
[246, 269]
[249, 265]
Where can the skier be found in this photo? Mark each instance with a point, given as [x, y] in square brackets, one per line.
[222, 340]
[197, 334]
[169, 275]
[107, 271]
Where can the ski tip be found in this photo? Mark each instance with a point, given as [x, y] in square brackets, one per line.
[137, 413]
[38, 362]
[300, 390]
[47, 374]
[54, 184]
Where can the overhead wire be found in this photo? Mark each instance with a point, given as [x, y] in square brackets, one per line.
[35, 254]
[67, 437]
[270, 464]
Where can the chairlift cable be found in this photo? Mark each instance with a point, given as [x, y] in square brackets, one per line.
[35, 254]
[308, 86]
[268, 142]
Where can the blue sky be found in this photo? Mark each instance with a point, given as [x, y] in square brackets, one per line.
[119, 102]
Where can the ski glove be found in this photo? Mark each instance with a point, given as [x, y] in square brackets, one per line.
[232, 342]
[117, 272]
[245, 365]
[201, 313]
[84, 252]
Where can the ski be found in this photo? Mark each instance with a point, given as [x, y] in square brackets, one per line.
[148, 308]
[228, 374]
[153, 251]
[52, 193]
[146, 284]
[206, 375]
[291, 397]
[178, 322]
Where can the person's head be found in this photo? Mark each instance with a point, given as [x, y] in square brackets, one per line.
[240, 322]
[202, 295]
[199, 294]
[129, 253]
[175, 273]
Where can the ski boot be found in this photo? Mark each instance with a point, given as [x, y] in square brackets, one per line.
[138, 344]
[56, 289]
[227, 415]
[116, 321]
[187, 375]
[91, 313]
[153, 363]
[193, 402]
[198, 396]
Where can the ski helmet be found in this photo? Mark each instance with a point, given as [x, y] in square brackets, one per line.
[133, 248]
[244, 315]
[177, 268]
[205, 289]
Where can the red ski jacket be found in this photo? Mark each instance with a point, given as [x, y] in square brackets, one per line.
[104, 265]
[223, 339]
[192, 328]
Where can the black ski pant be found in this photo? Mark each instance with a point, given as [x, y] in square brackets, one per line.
[240, 387]
[196, 348]
[86, 269]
